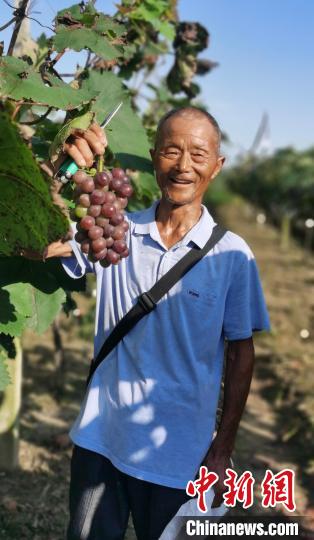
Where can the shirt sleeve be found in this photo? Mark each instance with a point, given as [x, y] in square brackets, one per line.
[245, 309]
[78, 264]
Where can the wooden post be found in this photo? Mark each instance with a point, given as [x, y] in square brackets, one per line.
[10, 404]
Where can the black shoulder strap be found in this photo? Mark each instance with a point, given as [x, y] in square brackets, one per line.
[147, 301]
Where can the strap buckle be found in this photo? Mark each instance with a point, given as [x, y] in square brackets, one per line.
[146, 302]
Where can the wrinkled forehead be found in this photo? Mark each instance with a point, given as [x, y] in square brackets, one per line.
[190, 127]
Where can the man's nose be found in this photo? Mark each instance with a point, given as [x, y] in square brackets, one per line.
[184, 162]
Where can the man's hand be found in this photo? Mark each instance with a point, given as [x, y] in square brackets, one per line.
[217, 463]
[82, 146]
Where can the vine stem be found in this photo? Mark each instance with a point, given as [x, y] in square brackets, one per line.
[100, 164]
[19, 19]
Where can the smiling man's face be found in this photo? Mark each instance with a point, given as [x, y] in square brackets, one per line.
[186, 158]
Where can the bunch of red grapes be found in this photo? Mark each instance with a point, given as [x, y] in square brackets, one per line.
[99, 210]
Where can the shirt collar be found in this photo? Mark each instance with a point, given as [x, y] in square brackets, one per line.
[145, 223]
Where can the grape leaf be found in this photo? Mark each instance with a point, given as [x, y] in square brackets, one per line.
[4, 374]
[90, 18]
[28, 218]
[32, 293]
[74, 13]
[20, 81]
[15, 308]
[80, 122]
[126, 135]
[86, 38]
[152, 12]
[45, 307]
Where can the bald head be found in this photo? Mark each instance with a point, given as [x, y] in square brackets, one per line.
[189, 113]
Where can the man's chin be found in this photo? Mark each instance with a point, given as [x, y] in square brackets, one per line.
[177, 199]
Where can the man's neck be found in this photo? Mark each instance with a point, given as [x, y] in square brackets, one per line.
[175, 221]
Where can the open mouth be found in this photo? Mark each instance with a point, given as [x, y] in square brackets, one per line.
[179, 181]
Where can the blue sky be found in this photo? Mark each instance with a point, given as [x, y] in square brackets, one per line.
[265, 49]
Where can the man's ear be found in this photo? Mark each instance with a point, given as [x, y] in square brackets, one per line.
[219, 165]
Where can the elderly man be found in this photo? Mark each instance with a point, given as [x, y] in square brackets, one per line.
[148, 418]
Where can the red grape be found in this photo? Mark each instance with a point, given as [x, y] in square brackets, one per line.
[109, 197]
[123, 201]
[112, 256]
[108, 230]
[124, 254]
[99, 255]
[94, 210]
[118, 233]
[88, 185]
[116, 205]
[99, 244]
[117, 218]
[119, 246]
[102, 221]
[108, 210]
[124, 225]
[118, 173]
[79, 177]
[126, 190]
[104, 263]
[95, 232]
[102, 178]
[97, 197]
[109, 241]
[87, 222]
[84, 200]
[116, 184]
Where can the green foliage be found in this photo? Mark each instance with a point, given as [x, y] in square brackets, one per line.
[39, 222]
[87, 29]
[20, 81]
[154, 13]
[281, 184]
[126, 137]
[145, 190]
[15, 308]
[31, 294]
[41, 141]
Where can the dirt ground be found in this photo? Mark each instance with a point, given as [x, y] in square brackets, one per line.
[274, 431]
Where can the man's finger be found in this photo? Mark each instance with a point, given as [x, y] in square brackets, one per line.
[75, 154]
[83, 146]
[94, 142]
[99, 132]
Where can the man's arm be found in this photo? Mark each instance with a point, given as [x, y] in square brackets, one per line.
[238, 376]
